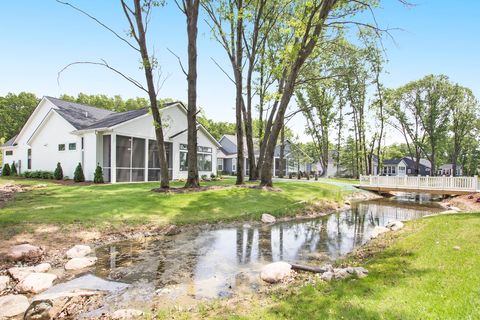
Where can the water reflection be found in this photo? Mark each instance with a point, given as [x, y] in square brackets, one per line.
[212, 262]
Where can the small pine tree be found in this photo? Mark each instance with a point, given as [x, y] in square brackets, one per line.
[58, 174]
[78, 175]
[6, 170]
[13, 169]
[98, 176]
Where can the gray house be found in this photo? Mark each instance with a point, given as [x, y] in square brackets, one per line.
[406, 167]
[296, 159]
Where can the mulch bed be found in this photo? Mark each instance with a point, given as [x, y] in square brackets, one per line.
[208, 188]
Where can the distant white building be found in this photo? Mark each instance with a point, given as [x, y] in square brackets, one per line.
[124, 143]
[447, 170]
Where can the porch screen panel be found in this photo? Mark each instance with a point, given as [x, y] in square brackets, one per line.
[124, 158]
[138, 159]
[154, 161]
[107, 160]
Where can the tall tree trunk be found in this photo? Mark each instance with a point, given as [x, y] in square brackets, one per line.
[239, 93]
[191, 12]
[282, 152]
[147, 67]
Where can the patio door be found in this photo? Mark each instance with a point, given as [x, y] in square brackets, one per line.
[130, 156]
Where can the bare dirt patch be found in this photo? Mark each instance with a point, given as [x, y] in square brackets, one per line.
[8, 191]
[468, 203]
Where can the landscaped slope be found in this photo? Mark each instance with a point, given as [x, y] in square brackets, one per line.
[430, 270]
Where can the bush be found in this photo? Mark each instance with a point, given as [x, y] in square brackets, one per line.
[58, 174]
[6, 170]
[27, 174]
[204, 177]
[78, 176]
[290, 175]
[316, 177]
[46, 175]
[13, 169]
[98, 176]
[307, 176]
[212, 175]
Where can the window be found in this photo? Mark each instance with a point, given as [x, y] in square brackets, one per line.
[9, 153]
[72, 146]
[204, 158]
[130, 156]
[29, 159]
[220, 165]
[61, 147]
[234, 164]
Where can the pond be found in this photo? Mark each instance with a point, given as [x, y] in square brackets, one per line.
[214, 261]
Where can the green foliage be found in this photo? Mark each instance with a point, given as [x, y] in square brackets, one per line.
[13, 169]
[58, 173]
[98, 176]
[6, 170]
[78, 175]
[39, 174]
[14, 112]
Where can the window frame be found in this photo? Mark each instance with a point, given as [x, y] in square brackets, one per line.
[201, 151]
[70, 145]
[9, 153]
[64, 147]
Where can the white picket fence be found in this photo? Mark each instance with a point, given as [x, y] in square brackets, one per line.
[443, 183]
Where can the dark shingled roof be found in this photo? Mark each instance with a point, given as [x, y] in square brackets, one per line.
[392, 161]
[117, 118]
[79, 115]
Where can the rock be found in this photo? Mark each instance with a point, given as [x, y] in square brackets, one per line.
[276, 272]
[395, 225]
[456, 248]
[4, 280]
[12, 305]
[326, 268]
[347, 202]
[80, 263]
[455, 209]
[361, 272]
[78, 251]
[36, 282]
[39, 310]
[247, 226]
[24, 252]
[341, 274]
[378, 231]
[86, 285]
[172, 230]
[127, 314]
[20, 273]
[327, 276]
[268, 218]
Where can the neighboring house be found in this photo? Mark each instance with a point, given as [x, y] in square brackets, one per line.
[227, 157]
[124, 143]
[447, 170]
[335, 169]
[405, 167]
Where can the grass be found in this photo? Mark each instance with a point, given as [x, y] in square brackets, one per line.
[103, 205]
[419, 275]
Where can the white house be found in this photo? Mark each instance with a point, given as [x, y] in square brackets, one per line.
[122, 143]
[447, 170]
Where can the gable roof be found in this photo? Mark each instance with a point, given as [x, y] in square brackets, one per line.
[79, 115]
[10, 143]
[117, 118]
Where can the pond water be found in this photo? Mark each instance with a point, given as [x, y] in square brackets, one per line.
[214, 261]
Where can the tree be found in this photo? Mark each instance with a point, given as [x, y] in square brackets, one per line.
[15, 109]
[98, 175]
[6, 170]
[78, 175]
[138, 19]
[13, 169]
[190, 10]
[58, 173]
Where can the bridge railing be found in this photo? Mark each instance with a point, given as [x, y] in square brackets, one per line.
[422, 182]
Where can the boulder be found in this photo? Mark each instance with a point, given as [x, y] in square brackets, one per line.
[80, 263]
[127, 314]
[39, 310]
[341, 273]
[4, 280]
[78, 251]
[172, 230]
[327, 276]
[378, 231]
[36, 282]
[276, 272]
[24, 252]
[20, 273]
[13, 305]
[361, 272]
[394, 225]
[268, 218]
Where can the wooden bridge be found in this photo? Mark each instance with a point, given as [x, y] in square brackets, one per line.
[435, 185]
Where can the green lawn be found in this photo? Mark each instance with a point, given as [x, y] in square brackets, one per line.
[99, 205]
[418, 276]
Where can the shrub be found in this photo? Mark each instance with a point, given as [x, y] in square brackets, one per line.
[316, 177]
[307, 176]
[78, 176]
[98, 176]
[299, 175]
[212, 175]
[204, 177]
[27, 174]
[13, 169]
[6, 170]
[290, 175]
[46, 175]
[58, 174]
